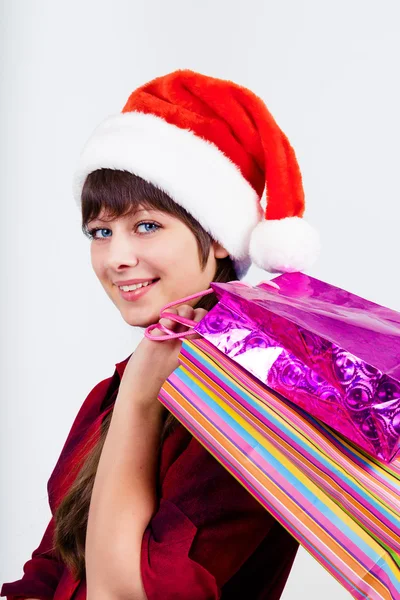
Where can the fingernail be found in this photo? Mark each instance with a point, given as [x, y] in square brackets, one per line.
[271, 283]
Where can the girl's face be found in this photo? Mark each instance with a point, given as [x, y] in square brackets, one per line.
[149, 245]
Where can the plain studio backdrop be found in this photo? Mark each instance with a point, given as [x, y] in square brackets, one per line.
[328, 71]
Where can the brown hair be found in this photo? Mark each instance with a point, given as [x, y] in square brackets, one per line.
[118, 193]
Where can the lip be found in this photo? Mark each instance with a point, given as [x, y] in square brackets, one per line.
[132, 296]
[132, 281]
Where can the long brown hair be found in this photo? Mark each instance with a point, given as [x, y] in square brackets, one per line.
[118, 193]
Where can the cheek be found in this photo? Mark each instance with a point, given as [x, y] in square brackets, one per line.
[183, 265]
[184, 262]
[96, 262]
[171, 256]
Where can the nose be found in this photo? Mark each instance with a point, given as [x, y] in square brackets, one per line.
[121, 253]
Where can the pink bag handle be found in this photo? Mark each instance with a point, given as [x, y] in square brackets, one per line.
[170, 335]
[177, 318]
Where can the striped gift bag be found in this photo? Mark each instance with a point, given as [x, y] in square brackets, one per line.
[341, 505]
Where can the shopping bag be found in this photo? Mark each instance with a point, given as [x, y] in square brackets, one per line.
[365, 487]
[286, 459]
[334, 354]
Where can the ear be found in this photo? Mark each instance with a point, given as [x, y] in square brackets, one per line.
[219, 250]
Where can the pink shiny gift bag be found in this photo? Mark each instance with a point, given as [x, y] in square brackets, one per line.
[334, 354]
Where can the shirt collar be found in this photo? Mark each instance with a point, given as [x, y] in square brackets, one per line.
[120, 366]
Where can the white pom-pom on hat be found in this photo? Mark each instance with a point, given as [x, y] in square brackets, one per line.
[284, 245]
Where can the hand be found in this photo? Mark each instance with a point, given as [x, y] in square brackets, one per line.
[153, 362]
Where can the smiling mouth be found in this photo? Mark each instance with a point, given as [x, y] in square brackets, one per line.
[134, 294]
[140, 286]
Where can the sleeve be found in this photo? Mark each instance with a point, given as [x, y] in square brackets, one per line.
[43, 571]
[206, 527]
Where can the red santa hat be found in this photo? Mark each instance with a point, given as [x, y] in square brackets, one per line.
[214, 148]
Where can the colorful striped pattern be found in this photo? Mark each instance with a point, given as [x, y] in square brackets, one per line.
[340, 505]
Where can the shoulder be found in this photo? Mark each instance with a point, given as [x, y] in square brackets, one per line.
[92, 404]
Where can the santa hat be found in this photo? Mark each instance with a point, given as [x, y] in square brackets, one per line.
[214, 148]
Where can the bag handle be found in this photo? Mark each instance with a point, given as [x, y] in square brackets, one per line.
[177, 318]
[170, 335]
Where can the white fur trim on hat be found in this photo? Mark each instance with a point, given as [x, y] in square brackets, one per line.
[193, 171]
[284, 245]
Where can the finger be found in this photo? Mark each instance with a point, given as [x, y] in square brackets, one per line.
[169, 323]
[200, 313]
[187, 312]
[192, 314]
[156, 332]
[184, 311]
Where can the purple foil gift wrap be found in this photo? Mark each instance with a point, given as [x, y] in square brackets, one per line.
[330, 352]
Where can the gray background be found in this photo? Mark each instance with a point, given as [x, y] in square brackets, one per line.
[328, 71]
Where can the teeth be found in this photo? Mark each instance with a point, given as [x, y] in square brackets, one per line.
[135, 286]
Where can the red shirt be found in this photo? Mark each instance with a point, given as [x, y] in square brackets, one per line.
[209, 539]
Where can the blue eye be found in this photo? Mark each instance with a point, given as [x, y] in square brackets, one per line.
[149, 223]
[91, 233]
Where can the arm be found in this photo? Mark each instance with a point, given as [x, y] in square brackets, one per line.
[206, 527]
[124, 492]
[123, 499]
[205, 512]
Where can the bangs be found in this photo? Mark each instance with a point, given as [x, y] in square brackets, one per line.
[112, 193]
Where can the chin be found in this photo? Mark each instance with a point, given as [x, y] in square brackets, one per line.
[137, 321]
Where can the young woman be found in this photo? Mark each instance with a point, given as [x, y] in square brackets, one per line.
[170, 192]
